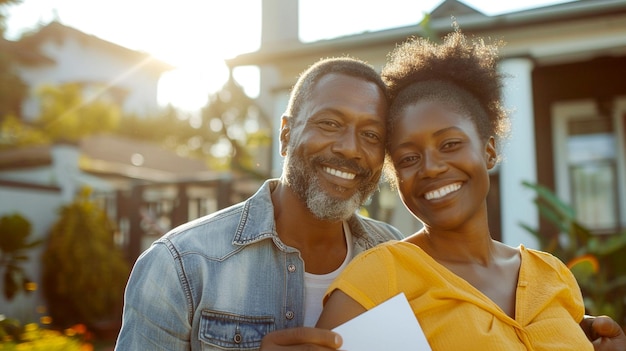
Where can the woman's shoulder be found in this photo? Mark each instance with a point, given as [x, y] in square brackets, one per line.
[539, 258]
[390, 250]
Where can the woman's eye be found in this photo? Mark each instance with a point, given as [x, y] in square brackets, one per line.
[372, 135]
[451, 144]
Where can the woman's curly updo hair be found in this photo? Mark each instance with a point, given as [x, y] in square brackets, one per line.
[458, 71]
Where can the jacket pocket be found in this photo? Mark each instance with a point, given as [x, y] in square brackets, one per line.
[233, 332]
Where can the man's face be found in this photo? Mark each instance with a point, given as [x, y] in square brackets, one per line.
[335, 147]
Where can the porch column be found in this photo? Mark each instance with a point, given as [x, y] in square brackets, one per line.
[65, 169]
[519, 155]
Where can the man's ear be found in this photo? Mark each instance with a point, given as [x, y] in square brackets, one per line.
[285, 133]
[491, 153]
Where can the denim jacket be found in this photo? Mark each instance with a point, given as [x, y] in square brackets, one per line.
[223, 281]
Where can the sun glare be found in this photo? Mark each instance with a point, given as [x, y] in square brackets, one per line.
[194, 36]
[188, 86]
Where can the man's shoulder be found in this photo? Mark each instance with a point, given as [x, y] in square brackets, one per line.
[241, 222]
[376, 229]
[219, 223]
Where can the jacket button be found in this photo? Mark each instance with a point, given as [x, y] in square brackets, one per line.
[237, 338]
[291, 268]
[289, 315]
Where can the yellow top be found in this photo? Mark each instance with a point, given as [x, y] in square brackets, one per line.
[456, 316]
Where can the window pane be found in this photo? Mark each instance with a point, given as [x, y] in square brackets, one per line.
[591, 162]
[594, 195]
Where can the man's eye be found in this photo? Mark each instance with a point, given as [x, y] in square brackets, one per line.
[329, 124]
[407, 161]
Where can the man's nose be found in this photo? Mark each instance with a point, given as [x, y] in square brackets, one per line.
[347, 145]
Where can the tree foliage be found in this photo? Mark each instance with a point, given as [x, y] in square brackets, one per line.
[242, 128]
[84, 272]
[230, 129]
[12, 88]
[14, 133]
[67, 116]
[172, 129]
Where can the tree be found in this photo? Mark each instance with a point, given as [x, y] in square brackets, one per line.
[67, 116]
[242, 128]
[12, 88]
[84, 272]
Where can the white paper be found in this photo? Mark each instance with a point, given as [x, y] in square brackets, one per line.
[388, 326]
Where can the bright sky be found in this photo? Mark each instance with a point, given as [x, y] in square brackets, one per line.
[196, 35]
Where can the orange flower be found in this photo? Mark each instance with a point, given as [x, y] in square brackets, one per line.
[79, 328]
[585, 259]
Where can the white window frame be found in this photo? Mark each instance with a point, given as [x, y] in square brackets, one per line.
[562, 113]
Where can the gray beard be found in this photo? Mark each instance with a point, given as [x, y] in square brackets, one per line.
[299, 176]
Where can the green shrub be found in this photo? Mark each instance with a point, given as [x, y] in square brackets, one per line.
[14, 242]
[84, 273]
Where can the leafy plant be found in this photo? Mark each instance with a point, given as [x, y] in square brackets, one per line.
[84, 273]
[15, 336]
[67, 115]
[597, 261]
[14, 242]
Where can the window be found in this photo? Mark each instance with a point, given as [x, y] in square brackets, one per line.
[589, 161]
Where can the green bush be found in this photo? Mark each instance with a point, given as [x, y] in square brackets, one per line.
[84, 273]
[597, 261]
[14, 242]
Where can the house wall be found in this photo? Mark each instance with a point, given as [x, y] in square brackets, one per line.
[81, 61]
[40, 207]
[599, 80]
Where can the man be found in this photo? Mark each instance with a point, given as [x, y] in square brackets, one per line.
[226, 280]
[260, 267]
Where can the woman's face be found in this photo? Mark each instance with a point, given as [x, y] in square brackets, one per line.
[441, 163]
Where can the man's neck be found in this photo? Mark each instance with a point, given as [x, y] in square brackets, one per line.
[321, 243]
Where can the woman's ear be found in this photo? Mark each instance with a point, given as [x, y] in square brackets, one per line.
[491, 153]
[285, 130]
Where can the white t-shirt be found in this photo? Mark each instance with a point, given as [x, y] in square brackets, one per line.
[315, 285]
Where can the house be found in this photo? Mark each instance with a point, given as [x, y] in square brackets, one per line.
[567, 97]
[143, 186]
[104, 69]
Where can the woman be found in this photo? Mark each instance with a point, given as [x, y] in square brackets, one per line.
[467, 290]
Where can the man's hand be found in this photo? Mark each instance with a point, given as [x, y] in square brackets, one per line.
[604, 333]
[302, 338]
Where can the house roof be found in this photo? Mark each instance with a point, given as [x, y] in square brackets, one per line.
[22, 54]
[453, 8]
[116, 157]
[473, 21]
[113, 154]
[56, 31]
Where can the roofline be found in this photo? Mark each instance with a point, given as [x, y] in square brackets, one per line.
[576, 10]
[132, 55]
